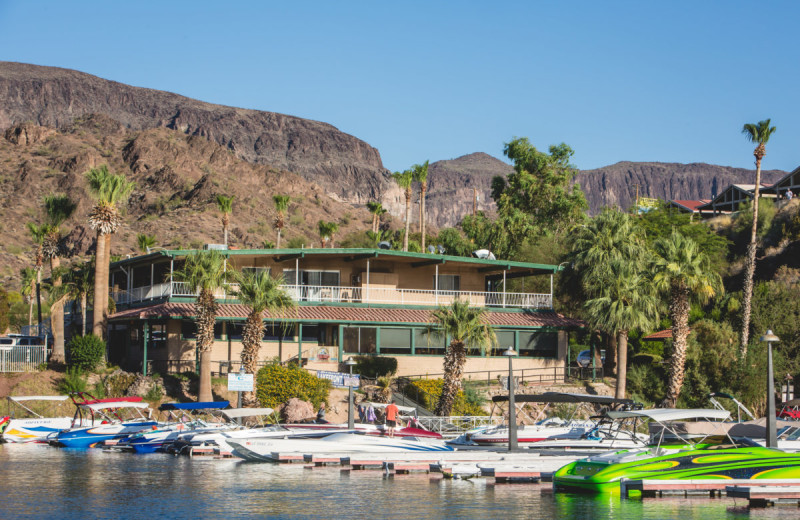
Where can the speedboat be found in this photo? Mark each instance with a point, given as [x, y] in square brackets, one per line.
[35, 428]
[107, 420]
[678, 456]
[260, 449]
[551, 428]
[182, 418]
[192, 442]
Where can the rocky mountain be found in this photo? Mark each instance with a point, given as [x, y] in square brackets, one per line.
[616, 184]
[177, 179]
[348, 168]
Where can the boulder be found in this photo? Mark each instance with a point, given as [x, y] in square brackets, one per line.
[297, 410]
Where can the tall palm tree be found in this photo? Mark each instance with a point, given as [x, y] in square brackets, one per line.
[466, 327]
[759, 134]
[421, 176]
[225, 205]
[58, 209]
[327, 231]
[204, 272]
[281, 206]
[404, 180]
[39, 234]
[145, 242]
[259, 291]
[108, 190]
[376, 208]
[626, 302]
[28, 288]
[681, 270]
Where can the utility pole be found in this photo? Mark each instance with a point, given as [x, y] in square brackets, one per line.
[474, 202]
[636, 204]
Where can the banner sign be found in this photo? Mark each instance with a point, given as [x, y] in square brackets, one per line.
[240, 382]
[340, 379]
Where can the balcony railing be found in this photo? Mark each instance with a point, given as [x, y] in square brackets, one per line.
[364, 294]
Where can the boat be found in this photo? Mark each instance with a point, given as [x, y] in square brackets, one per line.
[260, 449]
[107, 421]
[192, 442]
[181, 418]
[546, 429]
[677, 455]
[35, 428]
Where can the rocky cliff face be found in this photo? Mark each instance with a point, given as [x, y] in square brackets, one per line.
[348, 168]
[615, 185]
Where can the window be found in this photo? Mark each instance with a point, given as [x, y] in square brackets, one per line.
[279, 332]
[538, 344]
[158, 335]
[255, 270]
[189, 330]
[395, 341]
[428, 343]
[360, 340]
[310, 333]
[505, 339]
[312, 277]
[448, 282]
[235, 330]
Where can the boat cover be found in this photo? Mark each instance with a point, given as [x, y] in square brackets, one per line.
[235, 413]
[195, 406]
[117, 404]
[672, 414]
[559, 397]
[20, 398]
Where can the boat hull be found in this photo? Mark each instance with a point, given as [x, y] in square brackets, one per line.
[603, 473]
[93, 436]
[34, 429]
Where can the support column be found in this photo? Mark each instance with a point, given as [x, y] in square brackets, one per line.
[300, 344]
[504, 288]
[367, 285]
[436, 284]
[145, 341]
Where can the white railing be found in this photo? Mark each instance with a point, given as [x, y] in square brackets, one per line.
[22, 359]
[364, 294]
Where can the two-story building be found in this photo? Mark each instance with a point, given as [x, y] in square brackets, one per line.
[349, 302]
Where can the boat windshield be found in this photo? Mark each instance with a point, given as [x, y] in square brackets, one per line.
[723, 442]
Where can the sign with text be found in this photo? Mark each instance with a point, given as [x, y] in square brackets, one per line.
[340, 379]
[240, 382]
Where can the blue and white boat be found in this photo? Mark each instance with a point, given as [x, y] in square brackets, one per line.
[108, 419]
[183, 418]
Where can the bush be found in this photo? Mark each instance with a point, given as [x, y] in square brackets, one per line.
[426, 392]
[276, 384]
[86, 352]
[72, 382]
[374, 367]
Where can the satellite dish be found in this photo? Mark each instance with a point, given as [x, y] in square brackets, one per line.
[431, 249]
[484, 253]
[384, 245]
[440, 249]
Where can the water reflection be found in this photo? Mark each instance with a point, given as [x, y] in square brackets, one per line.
[42, 482]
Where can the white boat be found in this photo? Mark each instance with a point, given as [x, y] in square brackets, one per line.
[35, 428]
[107, 421]
[260, 449]
[192, 442]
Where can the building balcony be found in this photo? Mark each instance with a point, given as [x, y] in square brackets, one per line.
[365, 294]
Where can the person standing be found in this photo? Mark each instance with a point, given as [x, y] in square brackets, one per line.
[321, 414]
[391, 418]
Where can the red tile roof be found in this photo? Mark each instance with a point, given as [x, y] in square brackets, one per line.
[351, 314]
[691, 204]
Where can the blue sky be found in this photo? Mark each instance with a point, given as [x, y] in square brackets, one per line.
[640, 81]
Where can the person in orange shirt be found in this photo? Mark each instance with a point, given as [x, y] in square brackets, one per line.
[391, 418]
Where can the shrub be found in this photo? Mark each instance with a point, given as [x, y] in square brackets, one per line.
[426, 392]
[276, 384]
[72, 382]
[374, 367]
[86, 352]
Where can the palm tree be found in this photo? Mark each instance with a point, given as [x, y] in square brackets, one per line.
[27, 289]
[145, 242]
[259, 291]
[626, 302]
[82, 281]
[38, 233]
[225, 203]
[58, 209]
[108, 190]
[404, 181]
[681, 270]
[466, 327]
[204, 272]
[327, 231]
[376, 208]
[421, 176]
[759, 134]
[281, 206]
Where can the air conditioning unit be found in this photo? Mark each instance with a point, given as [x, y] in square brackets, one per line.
[216, 247]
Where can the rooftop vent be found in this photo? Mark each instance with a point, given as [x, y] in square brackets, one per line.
[217, 247]
[484, 253]
[384, 245]
[440, 249]
[431, 249]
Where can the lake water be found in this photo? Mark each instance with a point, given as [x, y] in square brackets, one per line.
[44, 482]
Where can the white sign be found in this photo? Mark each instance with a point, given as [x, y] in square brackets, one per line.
[240, 382]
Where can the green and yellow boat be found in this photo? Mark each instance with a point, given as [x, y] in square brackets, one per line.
[674, 457]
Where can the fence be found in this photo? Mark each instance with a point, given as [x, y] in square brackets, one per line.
[22, 359]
